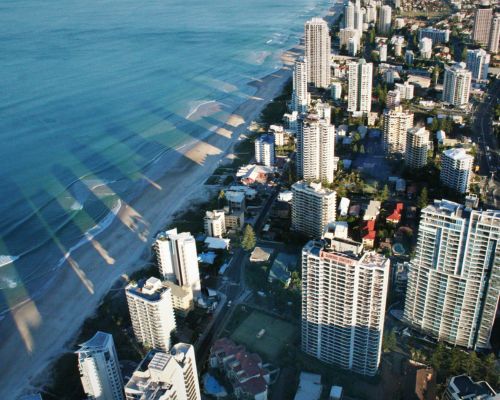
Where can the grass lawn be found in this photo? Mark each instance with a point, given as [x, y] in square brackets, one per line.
[278, 334]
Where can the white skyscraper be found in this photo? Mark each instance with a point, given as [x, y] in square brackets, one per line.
[406, 90]
[454, 278]
[417, 146]
[425, 47]
[482, 24]
[396, 124]
[494, 37]
[349, 15]
[478, 63]
[384, 21]
[359, 94]
[343, 307]
[178, 259]
[456, 169]
[152, 312]
[313, 207]
[264, 150]
[99, 368]
[346, 34]
[315, 149]
[318, 49]
[166, 375]
[300, 95]
[456, 85]
[214, 223]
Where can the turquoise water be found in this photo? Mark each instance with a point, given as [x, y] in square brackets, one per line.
[92, 92]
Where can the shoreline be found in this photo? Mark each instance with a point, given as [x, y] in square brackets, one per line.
[124, 247]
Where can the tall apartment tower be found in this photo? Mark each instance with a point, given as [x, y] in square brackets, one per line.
[494, 34]
[454, 278]
[99, 368]
[318, 49]
[343, 307]
[417, 146]
[456, 169]
[313, 207]
[300, 95]
[359, 96]
[178, 259]
[166, 375]
[456, 85]
[482, 23]
[396, 125]
[315, 149]
[152, 312]
[478, 63]
[384, 21]
[349, 15]
[264, 150]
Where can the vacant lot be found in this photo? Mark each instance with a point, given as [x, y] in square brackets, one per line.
[277, 335]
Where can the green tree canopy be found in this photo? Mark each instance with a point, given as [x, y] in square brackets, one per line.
[423, 198]
[249, 241]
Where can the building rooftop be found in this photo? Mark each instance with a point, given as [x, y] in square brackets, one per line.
[458, 153]
[312, 187]
[150, 289]
[309, 387]
[98, 341]
[267, 138]
[464, 387]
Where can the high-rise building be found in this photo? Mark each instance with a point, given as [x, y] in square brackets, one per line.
[152, 312]
[406, 89]
[318, 49]
[425, 47]
[417, 146]
[343, 306]
[316, 149]
[264, 150]
[456, 85]
[437, 36]
[384, 21]
[478, 63]
[178, 259]
[313, 207]
[456, 169]
[409, 57]
[482, 23]
[214, 223]
[353, 46]
[300, 95]
[494, 34]
[349, 15]
[336, 90]
[393, 99]
[99, 368]
[371, 13]
[346, 34]
[166, 375]
[396, 124]
[454, 278]
[359, 94]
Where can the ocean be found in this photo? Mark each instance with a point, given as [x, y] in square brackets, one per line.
[94, 91]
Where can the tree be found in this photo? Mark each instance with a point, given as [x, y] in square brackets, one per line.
[464, 53]
[362, 149]
[384, 194]
[389, 342]
[423, 198]
[355, 148]
[248, 242]
[221, 197]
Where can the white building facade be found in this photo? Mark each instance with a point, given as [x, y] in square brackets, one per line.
[396, 124]
[360, 76]
[417, 146]
[264, 150]
[478, 63]
[300, 95]
[456, 86]
[456, 169]
[343, 307]
[317, 52]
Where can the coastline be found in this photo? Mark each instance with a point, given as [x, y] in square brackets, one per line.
[44, 327]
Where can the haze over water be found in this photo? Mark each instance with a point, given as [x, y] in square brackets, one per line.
[93, 92]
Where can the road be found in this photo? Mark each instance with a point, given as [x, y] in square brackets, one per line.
[486, 141]
[233, 285]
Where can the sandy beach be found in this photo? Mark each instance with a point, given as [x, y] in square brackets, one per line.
[36, 333]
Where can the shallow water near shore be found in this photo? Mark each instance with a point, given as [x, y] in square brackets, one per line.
[94, 93]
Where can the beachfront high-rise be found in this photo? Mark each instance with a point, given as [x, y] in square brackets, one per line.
[359, 96]
[178, 259]
[395, 127]
[317, 52]
[264, 150]
[478, 62]
[482, 23]
[300, 95]
[99, 368]
[214, 223]
[417, 146]
[494, 34]
[315, 149]
[343, 307]
[456, 169]
[456, 85]
[152, 312]
[166, 375]
[454, 277]
[384, 21]
[313, 207]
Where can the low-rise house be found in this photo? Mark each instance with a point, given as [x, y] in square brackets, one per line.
[310, 387]
[234, 219]
[462, 387]
[344, 206]
[217, 243]
[372, 210]
[261, 254]
[252, 173]
[235, 200]
[370, 235]
[244, 370]
[395, 217]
